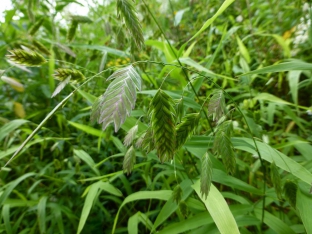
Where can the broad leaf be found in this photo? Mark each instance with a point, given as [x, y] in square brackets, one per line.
[218, 209]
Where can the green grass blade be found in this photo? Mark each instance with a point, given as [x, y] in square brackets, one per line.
[160, 195]
[223, 178]
[198, 144]
[218, 209]
[88, 96]
[11, 126]
[110, 189]
[243, 50]
[133, 223]
[171, 206]
[304, 204]
[13, 149]
[223, 7]
[106, 49]
[12, 185]
[191, 223]
[57, 212]
[6, 218]
[269, 154]
[84, 156]
[290, 65]
[277, 225]
[293, 81]
[87, 129]
[41, 212]
[271, 98]
[93, 190]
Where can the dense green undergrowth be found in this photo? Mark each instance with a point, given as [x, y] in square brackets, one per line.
[156, 117]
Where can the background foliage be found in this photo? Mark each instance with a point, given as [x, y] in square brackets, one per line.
[205, 107]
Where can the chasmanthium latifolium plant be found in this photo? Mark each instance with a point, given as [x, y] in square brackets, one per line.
[167, 131]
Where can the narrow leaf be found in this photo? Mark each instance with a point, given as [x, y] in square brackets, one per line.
[277, 225]
[290, 65]
[93, 190]
[304, 202]
[41, 212]
[223, 7]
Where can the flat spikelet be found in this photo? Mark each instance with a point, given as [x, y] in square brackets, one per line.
[129, 160]
[36, 26]
[127, 11]
[180, 109]
[162, 115]
[276, 180]
[177, 194]
[116, 104]
[146, 141]
[183, 207]
[129, 138]
[290, 191]
[185, 129]
[62, 74]
[224, 147]
[27, 58]
[216, 106]
[205, 175]
[66, 75]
